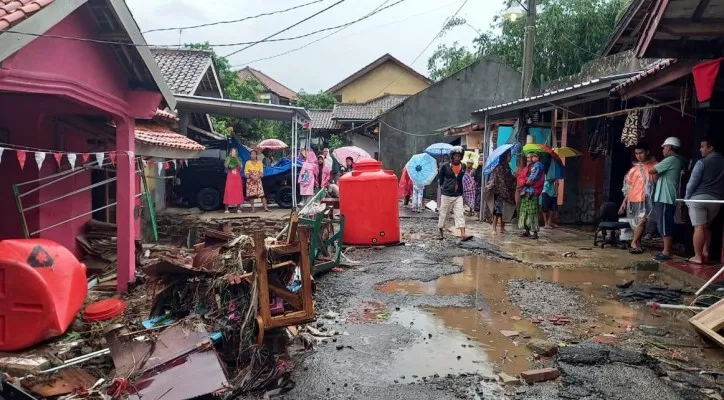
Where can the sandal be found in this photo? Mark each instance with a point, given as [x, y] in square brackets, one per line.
[688, 261]
[635, 250]
[524, 235]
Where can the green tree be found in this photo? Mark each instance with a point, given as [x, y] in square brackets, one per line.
[246, 130]
[315, 101]
[569, 33]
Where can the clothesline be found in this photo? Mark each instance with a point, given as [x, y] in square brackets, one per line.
[621, 112]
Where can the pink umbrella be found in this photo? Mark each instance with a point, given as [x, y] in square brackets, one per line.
[271, 144]
[355, 152]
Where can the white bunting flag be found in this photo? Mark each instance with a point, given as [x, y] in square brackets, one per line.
[174, 164]
[71, 160]
[159, 165]
[145, 163]
[1, 153]
[99, 157]
[186, 162]
[39, 158]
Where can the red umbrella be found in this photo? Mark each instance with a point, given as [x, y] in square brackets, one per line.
[271, 144]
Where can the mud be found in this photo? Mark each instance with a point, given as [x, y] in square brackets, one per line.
[423, 321]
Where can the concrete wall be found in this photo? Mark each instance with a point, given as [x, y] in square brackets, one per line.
[444, 104]
[365, 143]
[387, 78]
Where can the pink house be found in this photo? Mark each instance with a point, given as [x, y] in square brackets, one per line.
[57, 84]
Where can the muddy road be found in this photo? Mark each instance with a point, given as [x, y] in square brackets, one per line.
[424, 321]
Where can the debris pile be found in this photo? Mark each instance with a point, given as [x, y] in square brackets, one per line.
[633, 292]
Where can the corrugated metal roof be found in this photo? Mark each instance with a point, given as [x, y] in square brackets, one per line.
[652, 70]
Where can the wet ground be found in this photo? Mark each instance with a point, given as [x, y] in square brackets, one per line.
[428, 320]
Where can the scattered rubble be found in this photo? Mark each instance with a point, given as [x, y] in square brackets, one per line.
[542, 347]
[658, 293]
[539, 375]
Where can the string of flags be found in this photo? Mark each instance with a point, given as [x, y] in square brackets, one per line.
[100, 158]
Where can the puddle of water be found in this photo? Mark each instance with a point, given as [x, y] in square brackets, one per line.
[487, 280]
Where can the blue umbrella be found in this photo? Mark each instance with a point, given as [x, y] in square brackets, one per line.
[439, 149]
[556, 170]
[494, 158]
[422, 169]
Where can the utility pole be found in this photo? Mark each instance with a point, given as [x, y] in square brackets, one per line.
[528, 48]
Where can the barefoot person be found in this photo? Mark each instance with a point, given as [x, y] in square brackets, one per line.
[638, 200]
[501, 185]
[451, 187]
[234, 189]
[254, 171]
[549, 203]
[530, 182]
[706, 183]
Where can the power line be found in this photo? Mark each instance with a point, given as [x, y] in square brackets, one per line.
[373, 12]
[444, 25]
[233, 20]
[287, 28]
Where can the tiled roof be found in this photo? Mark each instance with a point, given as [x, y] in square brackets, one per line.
[369, 110]
[268, 83]
[182, 69]
[165, 115]
[322, 119]
[157, 135]
[373, 65]
[387, 101]
[651, 70]
[14, 11]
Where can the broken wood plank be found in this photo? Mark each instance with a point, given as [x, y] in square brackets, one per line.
[286, 295]
[710, 321]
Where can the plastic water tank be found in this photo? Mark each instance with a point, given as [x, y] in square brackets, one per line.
[368, 201]
[42, 288]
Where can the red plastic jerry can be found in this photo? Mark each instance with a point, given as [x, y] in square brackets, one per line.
[42, 288]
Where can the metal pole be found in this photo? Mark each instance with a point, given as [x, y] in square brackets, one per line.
[528, 49]
[295, 156]
[73, 193]
[486, 152]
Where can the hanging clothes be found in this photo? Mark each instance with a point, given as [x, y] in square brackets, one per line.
[599, 139]
[631, 129]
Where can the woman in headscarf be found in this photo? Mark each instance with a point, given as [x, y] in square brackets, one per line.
[404, 189]
[322, 174]
[530, 182]
[306, 178]
[254, 171]
[469, 185]
[501, 185]
[234, 189]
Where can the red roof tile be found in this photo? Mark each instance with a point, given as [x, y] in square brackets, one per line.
[268, 83]
[14, 11]
[157, 135]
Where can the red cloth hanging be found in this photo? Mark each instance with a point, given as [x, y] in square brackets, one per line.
[705, 75]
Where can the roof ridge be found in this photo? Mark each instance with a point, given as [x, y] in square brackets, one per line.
[374, 64]
[159, 48]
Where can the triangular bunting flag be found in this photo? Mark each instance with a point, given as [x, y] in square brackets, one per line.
[99, 157]
[166, 165]
[174, 164]
[39, 158]
[2, 149]
[186, 162]
[58, 157]
[71, 160]
[21, 157]
[85, 157]
[159, 167]
[112, 155]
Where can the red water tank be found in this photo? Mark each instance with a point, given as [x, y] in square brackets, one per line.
[42, 288]
[368, 201]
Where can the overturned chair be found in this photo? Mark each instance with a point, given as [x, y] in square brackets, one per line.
[610, 228]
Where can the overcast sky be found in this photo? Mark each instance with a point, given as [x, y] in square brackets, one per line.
[403, 31]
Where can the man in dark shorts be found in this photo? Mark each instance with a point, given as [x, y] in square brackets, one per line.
[668, 172]
[549, 203]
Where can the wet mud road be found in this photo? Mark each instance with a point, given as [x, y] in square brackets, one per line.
[424, 321]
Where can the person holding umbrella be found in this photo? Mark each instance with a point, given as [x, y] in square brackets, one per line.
[451, 186]
[421, 171]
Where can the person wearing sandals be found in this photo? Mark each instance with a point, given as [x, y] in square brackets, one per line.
[706, 183]
[638, 195]
[451, 199]
[530, 181]
[254, 171]
[234, 189]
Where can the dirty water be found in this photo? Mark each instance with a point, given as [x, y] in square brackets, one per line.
[482, 324]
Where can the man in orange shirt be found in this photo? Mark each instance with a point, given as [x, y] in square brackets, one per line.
[638, 191]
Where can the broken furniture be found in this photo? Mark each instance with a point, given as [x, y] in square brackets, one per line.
[609, 228]
[326, 230]
[273, 264]
[43, 288]
[710, 321]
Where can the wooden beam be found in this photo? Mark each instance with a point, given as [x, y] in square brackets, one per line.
[305, 271]
[693, 49]
[262, 279]
[650, 29]
[287, 296]
[691, 28]
[564, 143]
[703, 4]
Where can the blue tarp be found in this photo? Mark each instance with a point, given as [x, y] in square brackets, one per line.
[283, 166]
